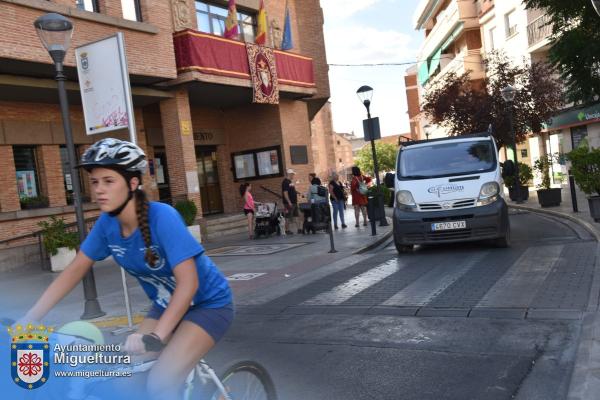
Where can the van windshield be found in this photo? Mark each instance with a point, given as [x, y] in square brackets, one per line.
[446, 159]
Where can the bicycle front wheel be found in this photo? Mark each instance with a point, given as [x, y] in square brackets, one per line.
[247, 380]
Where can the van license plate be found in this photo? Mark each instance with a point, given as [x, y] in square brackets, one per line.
[445, 226]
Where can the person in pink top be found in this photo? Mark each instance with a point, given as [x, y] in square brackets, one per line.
[245, 189]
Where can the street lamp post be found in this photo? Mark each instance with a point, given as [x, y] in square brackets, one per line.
[596, 4]
[508, 94]
[365, 93]
[55, 33]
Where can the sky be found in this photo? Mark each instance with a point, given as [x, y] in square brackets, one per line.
[370, 31]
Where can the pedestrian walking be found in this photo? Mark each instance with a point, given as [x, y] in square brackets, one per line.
[290, 201]
[314, 179]
[359, 189]
[249, 208]
[337, 194]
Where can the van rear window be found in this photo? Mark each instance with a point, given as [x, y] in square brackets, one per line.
[446, 159]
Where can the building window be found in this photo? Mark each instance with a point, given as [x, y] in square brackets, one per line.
[524, 153]
[492, 32]
[132, 10]
[211, 19]
[67, 179]
[87, 5]
[510, 22]
[27, 172]
[257, 163]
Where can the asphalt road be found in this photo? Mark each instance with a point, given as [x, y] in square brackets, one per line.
[464, 321]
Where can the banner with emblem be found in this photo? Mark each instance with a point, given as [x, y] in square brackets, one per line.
[30, 356]
[104, 85]
[263, 74]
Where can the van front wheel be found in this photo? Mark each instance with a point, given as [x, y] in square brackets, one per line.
[403, 248]
[503, 241]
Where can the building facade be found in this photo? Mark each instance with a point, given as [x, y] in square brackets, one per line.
[192, 97]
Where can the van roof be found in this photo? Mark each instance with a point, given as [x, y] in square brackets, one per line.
[458, 137]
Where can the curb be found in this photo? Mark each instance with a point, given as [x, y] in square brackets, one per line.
[113, 321]
[586, 225]
[377, 242]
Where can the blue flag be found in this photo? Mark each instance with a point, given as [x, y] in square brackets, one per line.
[286, 42]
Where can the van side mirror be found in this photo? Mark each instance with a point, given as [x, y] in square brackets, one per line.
[389, 179]
[508, 168]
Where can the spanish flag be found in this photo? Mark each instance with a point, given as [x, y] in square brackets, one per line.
[231, 23]
[261, 34]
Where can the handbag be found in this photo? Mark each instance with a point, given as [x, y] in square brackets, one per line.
[362, 187]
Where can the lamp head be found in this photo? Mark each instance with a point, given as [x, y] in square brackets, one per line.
[509, 93]
[365, 93]
[54, 31]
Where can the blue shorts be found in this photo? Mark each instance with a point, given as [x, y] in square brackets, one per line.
[215, 321]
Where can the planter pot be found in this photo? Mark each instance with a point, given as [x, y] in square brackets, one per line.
[594, 203]
[549, 197]
[195, 231]
[524, 193]
[62, 259]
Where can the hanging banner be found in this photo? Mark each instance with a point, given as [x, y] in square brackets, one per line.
[104, 85]
[263, 74]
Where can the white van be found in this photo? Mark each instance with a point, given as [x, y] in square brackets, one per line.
[449, 190]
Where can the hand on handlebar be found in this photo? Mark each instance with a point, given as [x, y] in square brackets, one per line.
[138, 343]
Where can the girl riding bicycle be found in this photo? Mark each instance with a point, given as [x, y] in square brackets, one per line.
[191, 300]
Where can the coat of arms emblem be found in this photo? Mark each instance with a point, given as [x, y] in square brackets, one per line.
[30, 355]
[85, 64]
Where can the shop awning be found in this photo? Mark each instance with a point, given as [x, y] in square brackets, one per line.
[575, 117]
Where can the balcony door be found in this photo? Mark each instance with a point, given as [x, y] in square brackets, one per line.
[208, 178]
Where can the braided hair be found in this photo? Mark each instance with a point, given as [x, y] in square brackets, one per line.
[141, 209]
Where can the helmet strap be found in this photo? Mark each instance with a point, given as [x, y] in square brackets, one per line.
[127, 176]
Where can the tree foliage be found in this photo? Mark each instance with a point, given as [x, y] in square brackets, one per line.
[575, 51]
[461, 106]
[386, 157]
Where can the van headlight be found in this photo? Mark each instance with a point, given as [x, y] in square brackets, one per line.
[405, 200]
[488, 194]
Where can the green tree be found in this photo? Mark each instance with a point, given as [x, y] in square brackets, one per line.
[575, 50]
[462, 106]
[386, 157]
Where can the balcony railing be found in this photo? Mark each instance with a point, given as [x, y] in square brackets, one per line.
[215, 55]
[539, 29]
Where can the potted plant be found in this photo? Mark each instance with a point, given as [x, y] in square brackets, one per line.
[188, 211]
[59, 243]
[525, 176]
[547, 196]
[585, 167]
[28, 203]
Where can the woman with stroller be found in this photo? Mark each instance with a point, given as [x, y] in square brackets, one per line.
[336, 191]
[249, 209]
[359, 200]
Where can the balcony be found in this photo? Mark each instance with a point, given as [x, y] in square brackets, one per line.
[538, 33]
[215, 60]
[469, 60]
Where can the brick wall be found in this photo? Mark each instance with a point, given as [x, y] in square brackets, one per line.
[149, 54]
[9, 197]
[51, 175]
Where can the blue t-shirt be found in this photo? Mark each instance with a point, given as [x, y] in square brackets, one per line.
[172, 243]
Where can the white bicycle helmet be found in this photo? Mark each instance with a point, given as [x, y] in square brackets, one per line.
[116, 154]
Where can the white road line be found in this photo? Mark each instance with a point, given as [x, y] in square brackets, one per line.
[348, 289]
[520, 283]
[430, 285]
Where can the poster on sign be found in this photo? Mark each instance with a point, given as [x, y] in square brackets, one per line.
[104, 85]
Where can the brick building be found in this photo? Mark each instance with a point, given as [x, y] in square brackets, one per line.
[194, 115]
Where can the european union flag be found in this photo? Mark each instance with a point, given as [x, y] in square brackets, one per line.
[286, 42]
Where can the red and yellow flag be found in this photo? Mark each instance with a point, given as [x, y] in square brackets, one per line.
[231, 23]
[261, 34]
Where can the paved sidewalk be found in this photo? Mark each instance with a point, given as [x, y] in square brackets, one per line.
[282, 259]
[585, 381]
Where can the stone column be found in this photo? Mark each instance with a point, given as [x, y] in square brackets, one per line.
[9, 196]
[179, 145]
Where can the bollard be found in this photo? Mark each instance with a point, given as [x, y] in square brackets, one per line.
[573, 193]
[332, 244]
[372, 213]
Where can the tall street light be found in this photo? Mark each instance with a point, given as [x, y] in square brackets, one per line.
[365, 93]
[55, 33]
[596, 4]
[508, 94]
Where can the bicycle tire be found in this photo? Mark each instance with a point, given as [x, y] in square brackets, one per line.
[243, 371]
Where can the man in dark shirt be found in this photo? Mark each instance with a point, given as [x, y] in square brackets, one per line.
[290, 200]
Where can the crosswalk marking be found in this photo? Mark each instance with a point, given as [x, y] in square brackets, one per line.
[348, 289]
[431, 284]
[518, 286]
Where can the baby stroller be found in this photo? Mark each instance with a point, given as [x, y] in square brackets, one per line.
[317, 217]
[266, 219]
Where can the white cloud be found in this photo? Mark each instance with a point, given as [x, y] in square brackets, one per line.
[339, 9]
[366, 45]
